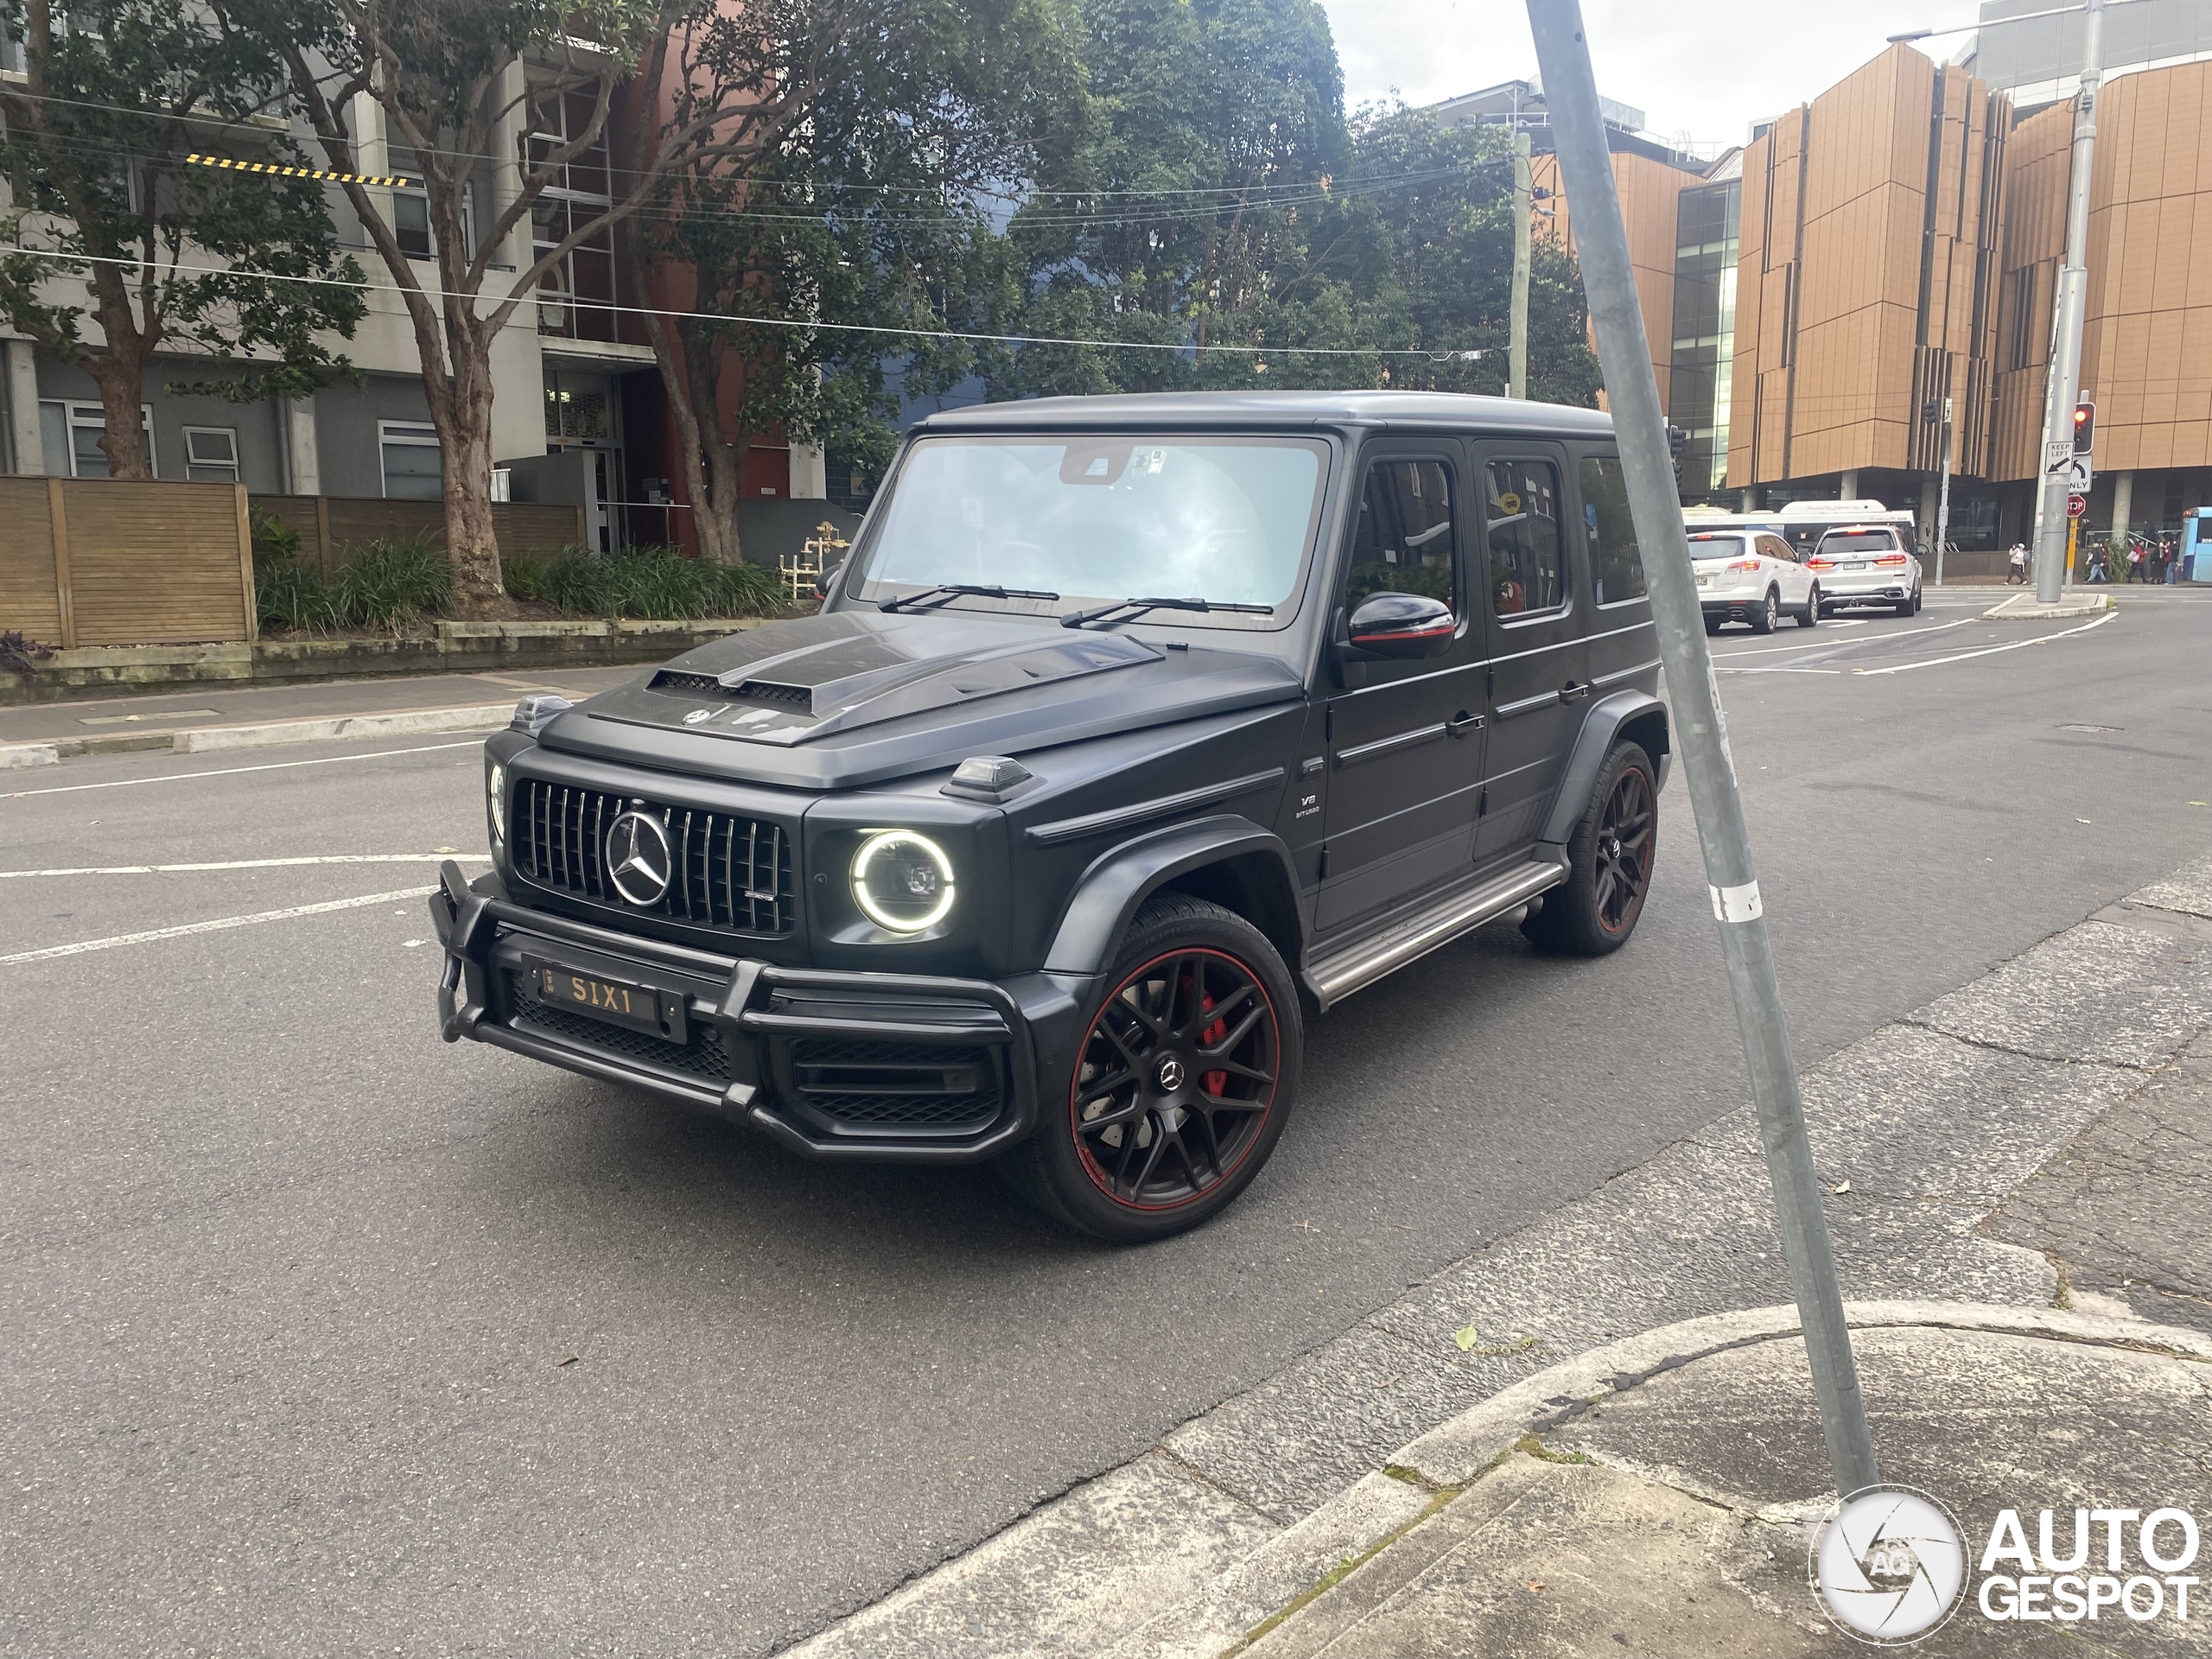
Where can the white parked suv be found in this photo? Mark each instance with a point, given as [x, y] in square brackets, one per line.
[1751, 575]
[1867, 564]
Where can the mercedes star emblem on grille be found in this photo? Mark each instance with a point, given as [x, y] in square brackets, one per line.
[698, 715]
[637, 861]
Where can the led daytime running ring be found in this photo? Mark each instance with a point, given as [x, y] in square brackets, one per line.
[882, 843]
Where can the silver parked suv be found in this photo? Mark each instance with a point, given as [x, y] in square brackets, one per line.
[1865, 564]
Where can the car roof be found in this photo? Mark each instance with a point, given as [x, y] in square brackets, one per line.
[1294, 409]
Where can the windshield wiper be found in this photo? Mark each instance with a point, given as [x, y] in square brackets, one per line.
[1137, 607]
[952, 590]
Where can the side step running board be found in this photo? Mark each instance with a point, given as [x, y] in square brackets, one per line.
[1335, 976]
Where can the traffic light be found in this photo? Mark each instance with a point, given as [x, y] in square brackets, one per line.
[2085, 427]
[1677, 441]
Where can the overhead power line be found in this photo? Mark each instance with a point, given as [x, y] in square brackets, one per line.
[546, 296]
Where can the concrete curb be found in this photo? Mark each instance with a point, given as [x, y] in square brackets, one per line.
[13, 755]
[2023, 608]
[476, 717]
[1369, 1516]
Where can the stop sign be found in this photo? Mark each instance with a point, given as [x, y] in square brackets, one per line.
[2076, 505]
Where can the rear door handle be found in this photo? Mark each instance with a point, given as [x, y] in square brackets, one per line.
[1460, 724]
[1573, 693]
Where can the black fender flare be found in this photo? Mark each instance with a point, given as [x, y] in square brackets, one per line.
[1118, 881]
[1608, 719]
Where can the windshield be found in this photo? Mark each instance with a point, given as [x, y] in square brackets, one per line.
[1091, 519]
[1717, 547]
[1858, 541]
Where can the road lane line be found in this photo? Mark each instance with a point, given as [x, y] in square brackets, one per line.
[257, 864]
[229, 772]
[1990, 650]
[215, 926]
[1860, 639]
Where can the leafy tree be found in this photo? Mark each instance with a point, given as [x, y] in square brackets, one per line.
[873, 210]
[93, 143]
[462, 85]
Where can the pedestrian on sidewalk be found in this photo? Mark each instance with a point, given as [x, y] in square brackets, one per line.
[2100, 564]
[2016, 563]
[2135, 563]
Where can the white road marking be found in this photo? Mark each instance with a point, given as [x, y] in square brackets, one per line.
[1990, 650]
[215, 926]
[226, 772]
[1863, 639]
[257, 864]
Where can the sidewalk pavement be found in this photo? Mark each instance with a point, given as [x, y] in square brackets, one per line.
[142, 721]
[1597, 1435]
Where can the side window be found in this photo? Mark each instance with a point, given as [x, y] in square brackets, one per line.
[1774, 547]
[1527, 568]
[1403, 540]
[1616, 565]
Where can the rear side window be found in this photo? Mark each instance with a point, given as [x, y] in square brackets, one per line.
[1404, 541]
[1711, 546]
[1528, 569]
[1616, 565]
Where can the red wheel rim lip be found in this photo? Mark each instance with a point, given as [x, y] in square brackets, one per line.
[1083, 1152]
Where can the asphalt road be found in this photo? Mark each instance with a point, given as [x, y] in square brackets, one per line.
[324, 1336]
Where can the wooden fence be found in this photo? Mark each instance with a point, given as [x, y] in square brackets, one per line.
[96, 561]
[106, 561]
[331, 526]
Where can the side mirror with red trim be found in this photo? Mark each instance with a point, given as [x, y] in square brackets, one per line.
[1402, 625]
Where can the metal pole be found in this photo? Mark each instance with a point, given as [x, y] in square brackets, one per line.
[2065, 387]
[1700, 736]
[1943, 496]
[1524, 207]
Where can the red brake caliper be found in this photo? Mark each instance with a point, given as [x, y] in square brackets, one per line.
[1213, 1082]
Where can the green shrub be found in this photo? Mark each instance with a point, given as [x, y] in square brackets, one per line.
[291, 595]
[272, 537]
[395, 581]
[655, 583]
[525, 576]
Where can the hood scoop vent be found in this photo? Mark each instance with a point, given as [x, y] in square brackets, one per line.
[678, 683]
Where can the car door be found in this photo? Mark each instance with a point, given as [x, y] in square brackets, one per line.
[1404, 738]
[1622, 639]
[1791, 575]
[1539, 676]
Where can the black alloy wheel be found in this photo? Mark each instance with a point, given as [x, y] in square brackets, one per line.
[1175, 1078]
[1182, 1083]
[1624, 848]
[1609, 859]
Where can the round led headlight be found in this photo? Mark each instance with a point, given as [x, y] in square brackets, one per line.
[902, 881]
[495, 790]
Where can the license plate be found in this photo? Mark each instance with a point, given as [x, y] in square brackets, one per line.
[1704, 582]
[1859, 565]
[616, 1002]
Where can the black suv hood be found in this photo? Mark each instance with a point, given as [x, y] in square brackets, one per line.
[856, 696]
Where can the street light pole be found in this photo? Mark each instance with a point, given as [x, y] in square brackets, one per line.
[1943, 496]
[1640, 428]
[2063, 388]
[1524, 205]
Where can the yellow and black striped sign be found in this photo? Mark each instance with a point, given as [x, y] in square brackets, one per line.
[391, 181]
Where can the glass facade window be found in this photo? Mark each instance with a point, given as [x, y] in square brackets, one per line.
[1702, 360]
[575, 298]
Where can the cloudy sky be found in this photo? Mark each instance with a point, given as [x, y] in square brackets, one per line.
[1707, 67]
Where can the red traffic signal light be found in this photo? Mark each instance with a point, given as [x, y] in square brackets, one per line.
[2085, 427]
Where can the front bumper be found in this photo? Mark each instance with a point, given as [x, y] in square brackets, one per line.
[877, 1067]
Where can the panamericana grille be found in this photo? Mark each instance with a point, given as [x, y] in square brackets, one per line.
[858, 1081]
[702, 1058]
[729, 871]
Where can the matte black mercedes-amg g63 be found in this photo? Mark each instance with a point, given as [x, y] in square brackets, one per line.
[1132, 734]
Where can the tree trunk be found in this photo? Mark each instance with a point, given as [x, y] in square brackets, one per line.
[465, 435]
[121, 378]
[721, 469]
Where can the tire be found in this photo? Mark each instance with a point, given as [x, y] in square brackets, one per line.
[1594, 911]
[1770, 614]
[1811, 616]
[1712, 627]
[1130, 1150]
[1907, 606]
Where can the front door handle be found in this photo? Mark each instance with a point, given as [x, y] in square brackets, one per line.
[1462, 723]
[1571, 692]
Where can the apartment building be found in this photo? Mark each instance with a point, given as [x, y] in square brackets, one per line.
[579, 410]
